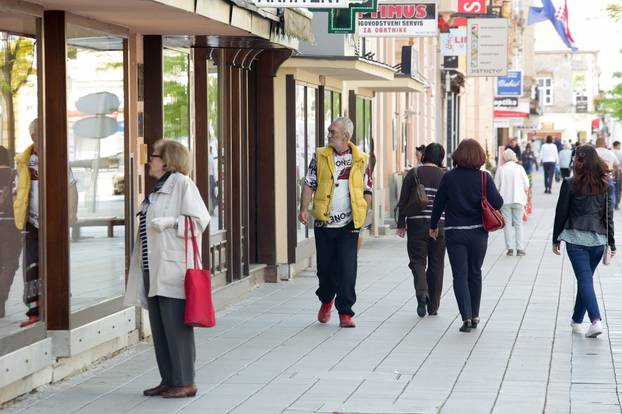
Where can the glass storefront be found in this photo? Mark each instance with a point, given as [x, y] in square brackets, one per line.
[21, 288]
[176, 94]
[363, 123]
[96, 174]
[216, 162]
[306, 142]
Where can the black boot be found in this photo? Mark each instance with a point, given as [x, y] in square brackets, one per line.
[466, 326]
[421, 305]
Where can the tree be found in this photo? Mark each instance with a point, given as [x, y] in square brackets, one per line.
[611, 102]
[615, 11]
[176, 97]
[16, 66]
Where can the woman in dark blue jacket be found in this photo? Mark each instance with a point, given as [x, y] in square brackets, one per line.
[584, 220]
[459, 196]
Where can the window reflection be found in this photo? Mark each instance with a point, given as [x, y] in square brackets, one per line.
[21, 297]
[176, 93]
[216, 161]
[301, 165]
[96, 174]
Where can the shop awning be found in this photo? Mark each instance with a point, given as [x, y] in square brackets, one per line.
[343, 68]
[400, 83]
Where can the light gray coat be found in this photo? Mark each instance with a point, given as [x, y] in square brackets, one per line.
[178, 197]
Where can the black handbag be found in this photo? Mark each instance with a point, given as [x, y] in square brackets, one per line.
[417, 200]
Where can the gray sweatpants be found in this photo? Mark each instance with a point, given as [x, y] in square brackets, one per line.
[172, 339]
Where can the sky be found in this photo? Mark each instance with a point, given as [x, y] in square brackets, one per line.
[592, 29]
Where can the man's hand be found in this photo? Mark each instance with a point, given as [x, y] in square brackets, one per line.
[303, 217]
[162, 223]
[434, 233]
[401, 232]
[557, 249]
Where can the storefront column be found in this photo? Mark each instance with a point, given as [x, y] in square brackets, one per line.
[54, 230]
[153, 84]
[352, 113]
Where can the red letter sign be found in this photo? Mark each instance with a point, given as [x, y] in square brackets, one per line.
[472, 6]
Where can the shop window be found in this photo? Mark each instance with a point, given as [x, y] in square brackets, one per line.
[306, 141]
[96, 175]
[176, 95]
[216, 162]
[21, 290]
[363, 123]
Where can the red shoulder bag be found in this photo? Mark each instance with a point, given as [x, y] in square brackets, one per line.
[491, 218]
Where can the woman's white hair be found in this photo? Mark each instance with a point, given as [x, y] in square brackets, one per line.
[509, 155]
[347, 125]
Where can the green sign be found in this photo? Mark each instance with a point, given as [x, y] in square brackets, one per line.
[344, 20]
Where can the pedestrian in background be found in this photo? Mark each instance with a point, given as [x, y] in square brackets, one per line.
[513, 185]
[459, 196]
[549, 158]
[426, 255]
[158, 266]
[529, 161]
[584, 220]
[612, 163]
[617, 151]
[513, 145]
[565, 157]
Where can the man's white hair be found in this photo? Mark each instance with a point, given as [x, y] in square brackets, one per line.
[509, 155]
[34, 126]
[347, 124]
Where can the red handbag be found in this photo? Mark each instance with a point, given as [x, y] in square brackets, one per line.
[491, 218]
[198, 284]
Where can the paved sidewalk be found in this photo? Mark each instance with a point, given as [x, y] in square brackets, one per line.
[269, 355]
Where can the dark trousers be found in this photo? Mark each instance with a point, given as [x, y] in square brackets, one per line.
[336, 266]
[584, 261]
[565, 172]
[10, 248]
[172, 339]
[466, 250]
[424, 251]
[32, 282]
[549, 172]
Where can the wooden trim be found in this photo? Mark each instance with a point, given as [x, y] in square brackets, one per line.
[201, 138]
[290, 148]
[225, 144]
[352, 113]
[54, 150]
[244, 171]
[321, 124]
[153, 105]
[236, 174]
[253, 168]
[128, 175]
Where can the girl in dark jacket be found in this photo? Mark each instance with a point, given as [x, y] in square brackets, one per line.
[459, 196]
[584, 220]
[423, 250]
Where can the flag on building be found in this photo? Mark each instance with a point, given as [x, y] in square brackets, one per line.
[556, 11]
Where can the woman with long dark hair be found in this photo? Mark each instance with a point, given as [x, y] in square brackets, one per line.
[459, 196]
[426, 255]
[584, 220]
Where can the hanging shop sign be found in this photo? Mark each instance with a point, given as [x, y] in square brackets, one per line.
[581, 104]
[487, 47]
[510, 84]
[344, 20]
[521, 110]
[309, 4]
[454, 43]
[507, 102]
[472, 6]
[400, 19]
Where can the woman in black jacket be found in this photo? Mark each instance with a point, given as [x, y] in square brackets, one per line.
[459, 196]
[423, 250]
[584, 220]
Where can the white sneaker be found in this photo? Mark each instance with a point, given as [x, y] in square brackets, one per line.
[576, 327]
[595, 330]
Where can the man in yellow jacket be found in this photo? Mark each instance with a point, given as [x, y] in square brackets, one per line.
[26, 211]
[339, 181]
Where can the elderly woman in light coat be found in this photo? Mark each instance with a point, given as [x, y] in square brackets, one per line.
[158, 266]
[513, 185]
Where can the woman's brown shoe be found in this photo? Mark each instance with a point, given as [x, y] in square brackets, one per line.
[159, 390]
[181, 392]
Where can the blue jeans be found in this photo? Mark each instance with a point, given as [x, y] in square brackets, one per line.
[584, 261]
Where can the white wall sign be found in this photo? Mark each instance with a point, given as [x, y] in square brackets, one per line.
[400, 19]
[309, 4]
[454, 43]
[487, 47]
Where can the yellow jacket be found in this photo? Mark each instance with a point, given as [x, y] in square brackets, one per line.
[326, 184]
[20, 204]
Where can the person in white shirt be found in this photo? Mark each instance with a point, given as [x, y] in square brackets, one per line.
[612, 162]
[513, 185]
[617, 151]
[549, 158]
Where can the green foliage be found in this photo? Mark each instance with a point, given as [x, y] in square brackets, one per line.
[611, 101]
[176, 95]
[615, 11]
[16, 64]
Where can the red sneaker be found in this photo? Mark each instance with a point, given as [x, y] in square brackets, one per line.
[324, 314]
[345, 321]
[31, 319]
